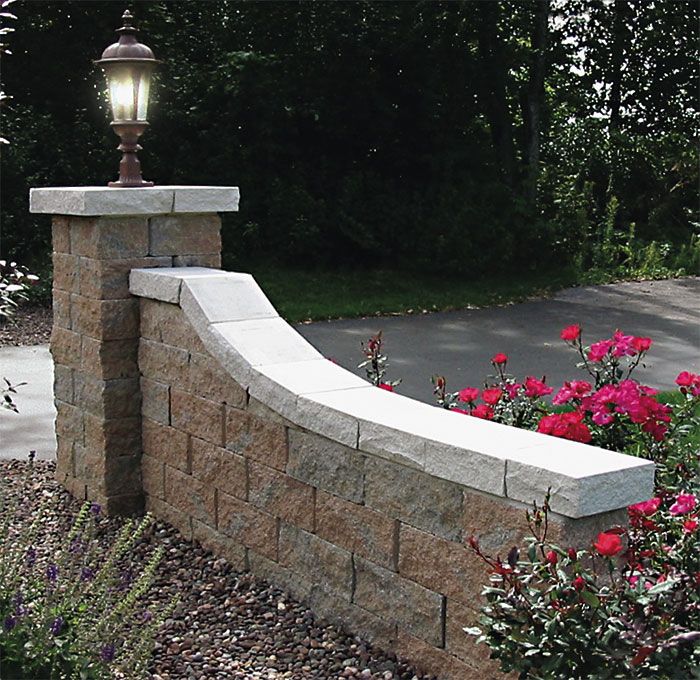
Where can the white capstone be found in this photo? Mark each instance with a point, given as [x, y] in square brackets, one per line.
[267, 341]
[165, 283]
[466, 467]
[337, 425]
[159, 200]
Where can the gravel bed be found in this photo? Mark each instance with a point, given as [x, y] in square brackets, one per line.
[228, 624]
[27, 326]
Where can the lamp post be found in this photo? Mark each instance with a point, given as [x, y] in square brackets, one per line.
[128, 66]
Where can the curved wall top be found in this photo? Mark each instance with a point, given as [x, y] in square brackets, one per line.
[242, 330]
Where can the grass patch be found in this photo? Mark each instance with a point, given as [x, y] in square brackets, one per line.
[301, 295]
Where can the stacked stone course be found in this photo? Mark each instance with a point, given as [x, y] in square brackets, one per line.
[95, 342]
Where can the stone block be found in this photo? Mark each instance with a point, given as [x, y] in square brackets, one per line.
[205, 199]
[109, 359]
[61, 308]
[219, 467]
[153, 476]
[109, 279]
[120, 437]
[248, 525]
[281, 495]
[311, 414]
[66, 272]
[205, 378]
[196, 416]
[463, 646]
[75, 487]
[442, 566]
[254, 438]
[109, 399]
[65, 467]
[102, 200]
[63, 383]
[357, 528]
[65, 347]
[414, 497]
[184, 234]
[194, 498]
[316, 560]
[326, 465]
[166, 444]
[109, 238]
[414, 609]
[69, 422]
[127, 505]
[163, 363]
[439, 663]
[173, 516]
[166, 323]
[155, 401]
[60, 234]
[210, 260]
[108, 476]
[105, 319]
[221, 546]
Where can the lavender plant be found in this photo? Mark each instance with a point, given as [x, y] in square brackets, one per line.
[75, 613]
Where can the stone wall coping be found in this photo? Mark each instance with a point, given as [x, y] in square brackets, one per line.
[240, 328]
[111, 201]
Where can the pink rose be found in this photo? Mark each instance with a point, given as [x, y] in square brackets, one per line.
[483, 411]
[690, 525]
[571, 333]
[535, 388]
[598, 350]
[491, 395]
[576, 389]
[499, 359]
[468, 394]
[386, 386]
[646, 508]
[685, 502]
[641, 344]
[607, 544]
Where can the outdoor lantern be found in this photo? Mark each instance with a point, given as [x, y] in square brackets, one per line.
[128, 66]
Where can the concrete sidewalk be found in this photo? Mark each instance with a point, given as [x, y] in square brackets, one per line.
[457, 345]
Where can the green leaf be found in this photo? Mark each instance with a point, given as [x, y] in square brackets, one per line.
[591, 599]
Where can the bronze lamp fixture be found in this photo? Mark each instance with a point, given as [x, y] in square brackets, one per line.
[128, 66]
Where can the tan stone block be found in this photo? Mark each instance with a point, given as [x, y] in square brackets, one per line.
[247, 525]
[219, 467]
[75, 487]
[109, 237]
[66, 272]
[281, 495]
[65, 468]
[60, 234]
[414, 609]
[218, 544]
[211, 260]
[61, 308]
[357, 529]
[120, 437]
[108, 476]
[127, 505]
[196, 416]
[163, 363]
[207, 378]
[463, 646]
[316, 560]
[150, 319]
[105, 319]
[155, 401]
[69, 422]
[109, 399]
[153, 476]
[580, 532]
[401, 492]
[254, 438]
[166, 323]
[429, 659]
[108, 359]
[166, 444]
[185, 234]
[65, 347]
[443, 566]
[63, 383]
[173, 516]
[326, 465]
[109, 279]
[194, 498]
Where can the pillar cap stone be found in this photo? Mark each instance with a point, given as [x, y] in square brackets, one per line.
[158, 200]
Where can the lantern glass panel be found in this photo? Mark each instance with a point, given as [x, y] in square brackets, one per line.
[129, 86]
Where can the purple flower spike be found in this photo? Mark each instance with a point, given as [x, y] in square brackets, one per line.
[107, 652]
[87, 574]
[10, 623]
[95, 509]
[52, 573]
[57, 625]
[31, 556]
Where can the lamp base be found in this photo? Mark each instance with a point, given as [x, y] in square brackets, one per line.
[126, 184]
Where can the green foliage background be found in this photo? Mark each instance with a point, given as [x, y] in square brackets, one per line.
[391, 134]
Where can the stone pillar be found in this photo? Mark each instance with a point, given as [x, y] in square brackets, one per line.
[99, 235]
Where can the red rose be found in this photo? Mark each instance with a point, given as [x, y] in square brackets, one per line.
[499, 359]
[571, 553]
[386, 386]
[551, 557]
[468, 394]
[491, 395]
[579, 583]
[645, 508]
[641, 344]
[690, 525]
[608, 544]
[571, 333]
[483, 411]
